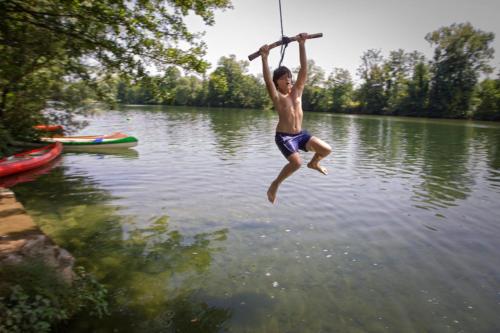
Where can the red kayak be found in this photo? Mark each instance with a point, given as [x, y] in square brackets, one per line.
[30, 159]
[30, 175]
[49, 128]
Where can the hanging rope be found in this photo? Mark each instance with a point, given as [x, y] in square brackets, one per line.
[281, 19]
[285, 39]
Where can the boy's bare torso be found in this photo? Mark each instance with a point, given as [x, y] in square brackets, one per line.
[289, 109]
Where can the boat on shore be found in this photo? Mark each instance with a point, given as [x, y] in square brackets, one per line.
[115, 140]
[49, 128]
[29, 175]
[30, 159]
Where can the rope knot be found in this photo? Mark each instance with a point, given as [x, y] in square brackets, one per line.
[286, 40]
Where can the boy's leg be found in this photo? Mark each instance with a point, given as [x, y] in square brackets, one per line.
[293, 165]
[321, 149]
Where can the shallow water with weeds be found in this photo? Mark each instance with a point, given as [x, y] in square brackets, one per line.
[403, 235]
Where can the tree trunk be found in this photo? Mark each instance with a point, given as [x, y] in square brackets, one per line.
[3, 102]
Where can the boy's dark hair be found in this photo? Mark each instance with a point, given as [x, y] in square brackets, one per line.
[279, 72]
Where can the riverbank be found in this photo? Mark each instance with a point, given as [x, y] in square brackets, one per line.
[22, 240]
[40, 289]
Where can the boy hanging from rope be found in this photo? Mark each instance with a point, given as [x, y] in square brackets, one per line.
[287, 100]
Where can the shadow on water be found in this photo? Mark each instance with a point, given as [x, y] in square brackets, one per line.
[151, 272]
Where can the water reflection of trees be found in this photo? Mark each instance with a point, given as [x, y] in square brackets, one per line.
[489, 138]
[446, 174]
[437, 152]
[151, 272]
[231, 127]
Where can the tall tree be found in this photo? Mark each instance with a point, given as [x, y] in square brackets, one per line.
[339, 91]
[407, 83]
[371, 93]
[167, 85]
[397, 70]
[461, 54]
[417, 102]
[230, 85]
[489, 96]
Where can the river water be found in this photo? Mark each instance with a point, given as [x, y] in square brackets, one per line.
[403, 235]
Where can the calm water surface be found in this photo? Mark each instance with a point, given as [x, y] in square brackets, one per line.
[403, 235]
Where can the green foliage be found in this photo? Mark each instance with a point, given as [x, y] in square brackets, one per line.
[88, 294]
[408, 84]
[24, 313]
[371, 92]
[403, 83]
[313, 96]
[227, 86]
[489, 96]
[396, 85]
[122, 35]
[61, 59]
[69, 51]
[399, 84]
[417, 102]
[217, 88]
[34, 297]
[339, 91]
[462, 53]
[397, 71]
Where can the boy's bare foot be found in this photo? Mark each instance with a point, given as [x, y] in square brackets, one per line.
[271, 192]
[318, 167]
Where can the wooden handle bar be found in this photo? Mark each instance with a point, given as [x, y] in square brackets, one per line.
[280, 42]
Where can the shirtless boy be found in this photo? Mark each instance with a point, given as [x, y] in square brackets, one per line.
[287, 100]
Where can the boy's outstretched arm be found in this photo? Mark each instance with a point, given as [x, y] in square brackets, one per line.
[271, 89]
[302, 76]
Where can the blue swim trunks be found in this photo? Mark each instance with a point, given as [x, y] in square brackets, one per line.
[291, 143]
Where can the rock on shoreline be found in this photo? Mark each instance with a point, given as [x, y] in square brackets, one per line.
[21, 239]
